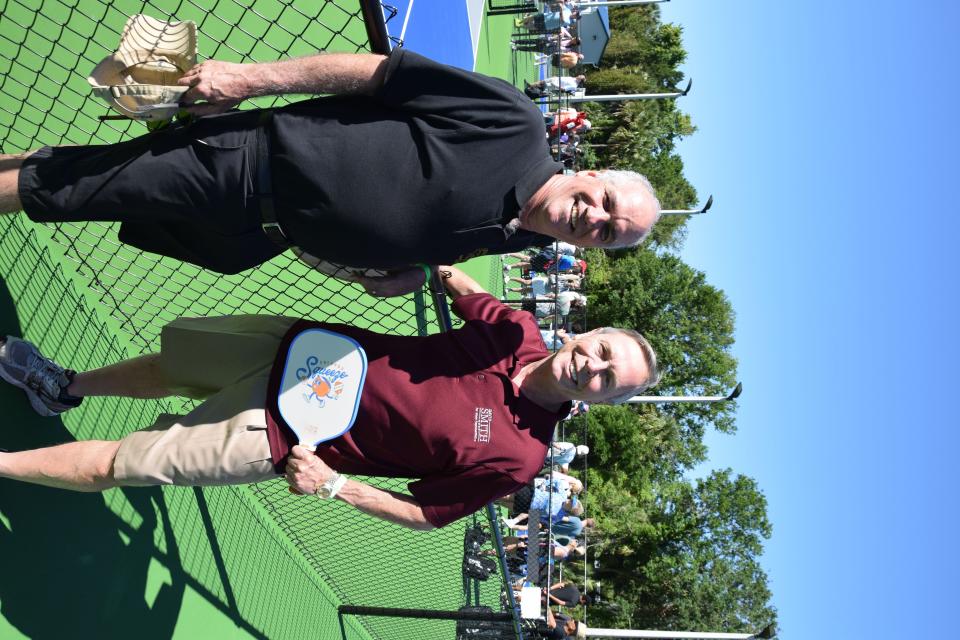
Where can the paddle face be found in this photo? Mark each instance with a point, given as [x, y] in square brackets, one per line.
[320, 389]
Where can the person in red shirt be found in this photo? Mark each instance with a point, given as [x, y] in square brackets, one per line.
[567, 120]
[467, 414]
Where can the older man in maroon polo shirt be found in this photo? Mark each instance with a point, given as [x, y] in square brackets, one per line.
[468, 414]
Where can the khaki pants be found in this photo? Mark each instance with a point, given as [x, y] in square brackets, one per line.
[226, 361]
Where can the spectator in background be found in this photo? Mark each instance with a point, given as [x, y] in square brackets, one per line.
[546, 496]
[567, 154]
[576, 486]
[547, 43]
[535, 263]
[565, 60]
[567, 121]
[517, 545]
[563, 263]
[579, 408]
[532, 262]
[539, 286]
[564, 248]
[555, 338]
[554, 84]
[566, 301]
[570, 527]
[568, 550]
[560, 627]
[567, 594]
[564, 453]
[543, 262]
[549, 20]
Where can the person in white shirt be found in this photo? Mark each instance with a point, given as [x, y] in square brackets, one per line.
[554, 84]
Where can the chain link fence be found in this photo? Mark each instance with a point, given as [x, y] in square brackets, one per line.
[271, 547]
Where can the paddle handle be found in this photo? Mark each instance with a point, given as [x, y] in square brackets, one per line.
[308, 447]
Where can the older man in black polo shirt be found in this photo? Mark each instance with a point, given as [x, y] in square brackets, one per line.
[410, 162]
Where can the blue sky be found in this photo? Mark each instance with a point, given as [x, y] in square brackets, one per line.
[828, 134]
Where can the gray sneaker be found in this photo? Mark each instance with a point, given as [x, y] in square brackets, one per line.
[43, 380]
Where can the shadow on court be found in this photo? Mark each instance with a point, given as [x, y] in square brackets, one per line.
[70, 566]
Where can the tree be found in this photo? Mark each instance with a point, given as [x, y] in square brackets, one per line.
[642, 56]
[688, 322]
[641, 43]
[709, 574]
[672, 553]
[695, 564]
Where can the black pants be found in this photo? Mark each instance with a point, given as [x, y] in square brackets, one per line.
[187, 191]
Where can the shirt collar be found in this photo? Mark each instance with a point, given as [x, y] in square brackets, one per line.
[526, 186]
[534, 178]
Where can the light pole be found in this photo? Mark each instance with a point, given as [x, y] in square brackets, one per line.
[619, 97]
[677, 399]
[618, 3]
[688, 212]
[767, 632]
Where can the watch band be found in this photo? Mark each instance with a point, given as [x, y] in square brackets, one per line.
[331, 487]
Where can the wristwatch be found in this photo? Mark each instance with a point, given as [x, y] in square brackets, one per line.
[330, 488]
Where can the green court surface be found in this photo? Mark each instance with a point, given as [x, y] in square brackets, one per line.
[231, 562]
[494, 56]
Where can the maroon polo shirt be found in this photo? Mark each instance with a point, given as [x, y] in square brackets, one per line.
[441, 408]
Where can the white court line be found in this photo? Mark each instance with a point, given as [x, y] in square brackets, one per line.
[406, 19]
[403, 29]
[475, 18]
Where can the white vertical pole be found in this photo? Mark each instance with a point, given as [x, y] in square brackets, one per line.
[666, 635]
[625, 96]
[616, 97]
[616, 3]
[406, 19]
[675, 399]
[767, 632]
[688, 212]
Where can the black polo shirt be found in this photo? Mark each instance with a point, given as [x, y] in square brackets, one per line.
[430, 169]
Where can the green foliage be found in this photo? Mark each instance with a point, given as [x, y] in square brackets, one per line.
[639, 39]
[684, 559]
[640, 446]
[673, 553]
[642, 57]
[709, 577]
[688, 322]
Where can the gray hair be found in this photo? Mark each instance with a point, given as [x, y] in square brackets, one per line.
[649, 356]
[620, 177]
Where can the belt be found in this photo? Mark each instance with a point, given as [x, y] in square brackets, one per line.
[268, 211]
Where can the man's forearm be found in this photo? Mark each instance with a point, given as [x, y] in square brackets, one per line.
[395, 282]
[458, 283]
[337, 73]
[387, 505]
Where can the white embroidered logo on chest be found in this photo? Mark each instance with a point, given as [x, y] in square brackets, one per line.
[482, 421]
